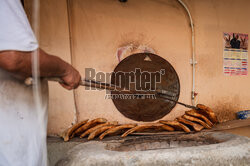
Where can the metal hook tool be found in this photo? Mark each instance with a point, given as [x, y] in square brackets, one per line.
[107, 86]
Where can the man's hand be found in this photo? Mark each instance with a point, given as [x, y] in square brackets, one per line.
[71, 79]
[19, 64]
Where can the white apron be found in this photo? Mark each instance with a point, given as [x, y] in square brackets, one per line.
[22, 133]
[22, 125]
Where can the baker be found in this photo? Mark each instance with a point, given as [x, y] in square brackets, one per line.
[22, 138]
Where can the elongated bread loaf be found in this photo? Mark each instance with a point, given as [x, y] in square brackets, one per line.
[208, 112]
[177, 125]
[99, 131]
[195, 126]
[89, 125]
[196, 113]
[116, 129]
[67, 133]
[147, 126]
[96, 127]
[191, 118]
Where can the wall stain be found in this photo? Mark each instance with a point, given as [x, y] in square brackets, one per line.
[131, 43]
[226, 108]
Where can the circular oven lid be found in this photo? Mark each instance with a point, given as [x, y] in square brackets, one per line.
[141, 74]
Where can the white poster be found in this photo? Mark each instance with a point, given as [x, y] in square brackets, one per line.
[235, 54]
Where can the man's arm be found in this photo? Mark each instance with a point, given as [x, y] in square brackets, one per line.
[20, 64]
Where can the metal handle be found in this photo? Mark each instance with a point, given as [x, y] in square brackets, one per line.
[89, 83]
[29, 81]
[95, 84]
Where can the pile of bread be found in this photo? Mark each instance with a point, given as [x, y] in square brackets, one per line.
[192, 120]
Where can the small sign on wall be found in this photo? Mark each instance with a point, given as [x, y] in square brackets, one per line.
[235, 54]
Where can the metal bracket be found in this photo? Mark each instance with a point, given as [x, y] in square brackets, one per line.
[191, 62]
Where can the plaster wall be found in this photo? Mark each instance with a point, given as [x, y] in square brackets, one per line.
[98, 28]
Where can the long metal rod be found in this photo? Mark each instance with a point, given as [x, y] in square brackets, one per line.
[185, 105]
[100, 85]
[160, 93]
